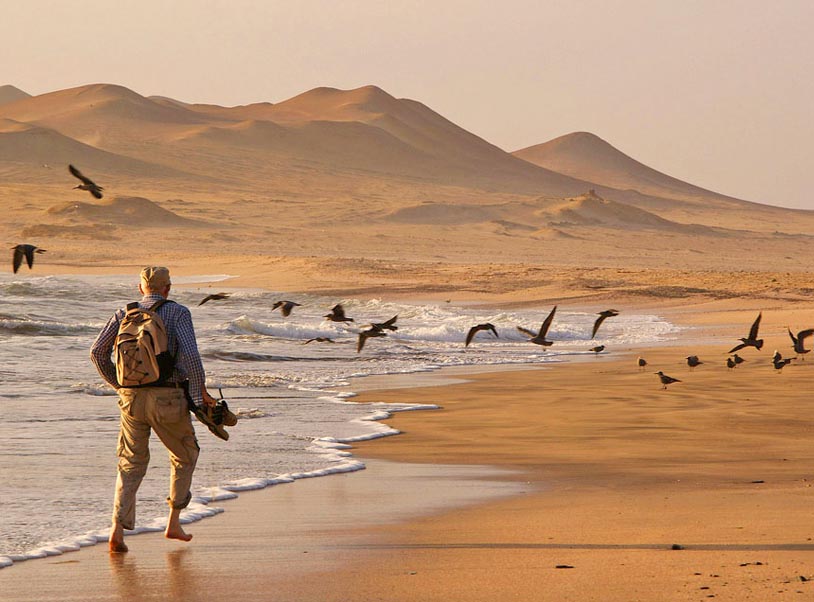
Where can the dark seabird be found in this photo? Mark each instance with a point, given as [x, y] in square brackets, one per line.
[641, 362]
[738, 359]
[320, 340]
[780, 362]
[603, 315]
[389, 325]
[26, 251]
[337, 314]
[666, 380]
[539, 337]
[479, 327]
[367, 334]
[597, 349]
[751, 340]
[215, 297]
[799, 340]
[730, 363]
[776, 356]
[693, 361]
[285, 307]
[87, 183]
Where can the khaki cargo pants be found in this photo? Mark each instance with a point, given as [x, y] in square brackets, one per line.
[164, 410]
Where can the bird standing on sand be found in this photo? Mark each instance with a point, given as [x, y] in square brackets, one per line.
[799, 340]
[320, 340]
[738, 359]
[214, 297]
[87, 183]
[666, 380]
[693, 361]
[751, 340]
[779, 362]
[389, 325]
[641, 362]
[475, 329]
[603, 315]
[285, 307]
[730, 363]
[337, 314]
[367, 334]
[539, 337]
[598, 349]
[21, 251]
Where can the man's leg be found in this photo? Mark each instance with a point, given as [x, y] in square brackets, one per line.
[134, 456]
[169, 416]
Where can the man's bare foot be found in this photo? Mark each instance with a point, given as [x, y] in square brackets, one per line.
[117, 547]
[177, 533]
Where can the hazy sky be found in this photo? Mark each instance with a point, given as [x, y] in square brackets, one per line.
[717, 93]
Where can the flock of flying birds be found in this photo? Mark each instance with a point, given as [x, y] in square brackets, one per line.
[27, 252]
[375, 330]
[733, 361]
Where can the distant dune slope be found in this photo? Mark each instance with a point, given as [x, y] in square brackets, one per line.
[38, 146]
[586, 156]
[10, 93]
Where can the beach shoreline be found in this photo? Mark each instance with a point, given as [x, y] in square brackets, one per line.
[376, 558]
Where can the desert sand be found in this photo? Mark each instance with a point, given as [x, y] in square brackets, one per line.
[359, 194]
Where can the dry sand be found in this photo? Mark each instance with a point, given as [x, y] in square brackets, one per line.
[613, 472]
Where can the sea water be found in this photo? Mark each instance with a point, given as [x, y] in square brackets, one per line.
[60, 420]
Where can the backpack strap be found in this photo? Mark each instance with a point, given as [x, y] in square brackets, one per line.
[158, 304]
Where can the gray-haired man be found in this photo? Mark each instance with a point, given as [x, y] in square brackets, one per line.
[163, 408]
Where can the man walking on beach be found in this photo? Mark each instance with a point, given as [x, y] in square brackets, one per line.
[162, 407]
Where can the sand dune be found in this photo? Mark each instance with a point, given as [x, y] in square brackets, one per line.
[588, 157]
[27, 143]
[592, 210]
[10, 93]
[121, 211]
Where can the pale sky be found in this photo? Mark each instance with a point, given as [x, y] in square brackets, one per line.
[717, 93]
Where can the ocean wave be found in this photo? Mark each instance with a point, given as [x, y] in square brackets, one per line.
[26, 327]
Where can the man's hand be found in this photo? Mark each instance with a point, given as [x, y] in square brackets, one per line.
[208, 400]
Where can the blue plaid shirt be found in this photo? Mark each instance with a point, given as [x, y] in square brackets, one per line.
[181, 343]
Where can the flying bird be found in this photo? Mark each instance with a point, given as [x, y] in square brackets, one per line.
[751, 340]
[799, 340]
[367, 334]
[215, 297]
[693, 361]
[597, 349]
[475, 329]
[666, 380]
[26, 251]
[641, 362]
[285, 307]
[603, 315]
[337, 314]
[87, 184]
[389, 325]
[539, 337]
[320, 340]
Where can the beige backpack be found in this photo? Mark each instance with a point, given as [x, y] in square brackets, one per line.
[142, 357]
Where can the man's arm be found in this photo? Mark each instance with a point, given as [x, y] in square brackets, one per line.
[101, 350]
[189, 360]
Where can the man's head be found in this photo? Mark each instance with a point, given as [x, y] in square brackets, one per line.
[155, 279]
